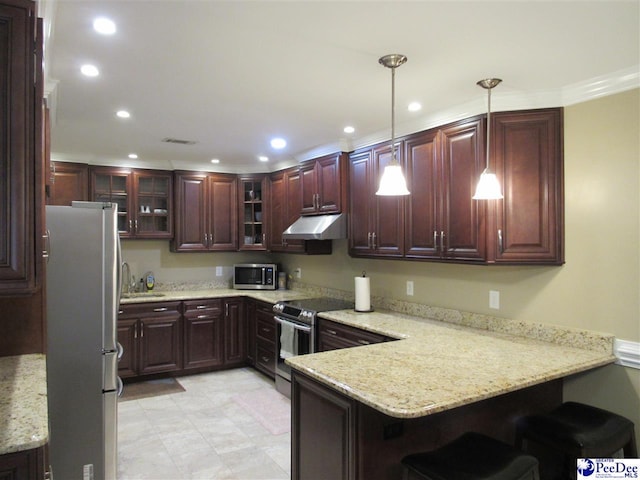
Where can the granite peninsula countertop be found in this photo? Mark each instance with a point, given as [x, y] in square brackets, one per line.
[269, 296]
[24, 422]
[436, 366]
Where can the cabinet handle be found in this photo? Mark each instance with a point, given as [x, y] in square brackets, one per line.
[136, 226]
[265, 359]
[130, 225]
[264, 239]
[500, 244]
[331, 332]
[160, 309]
[206, 239]
[264, 329]
[201, 307]
[435, 240]
[141, 329]
[373, 237]
[47, 245]
[120, 312]
[135, 331]
[226, 310]
[363, 342]
[202, 316]
[442, 241]
[368, 239]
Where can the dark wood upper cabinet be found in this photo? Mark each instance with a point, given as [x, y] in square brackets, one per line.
[68, 182]
[443, 222]
[322, 185]
[376, 222]
[21, 149]
[112, 184]
[443, 165]
[284, 206]
[207, 212]
[527, 226]
[253, 215]
[144, 199]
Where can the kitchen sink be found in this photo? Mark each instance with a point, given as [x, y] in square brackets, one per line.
[142, 295]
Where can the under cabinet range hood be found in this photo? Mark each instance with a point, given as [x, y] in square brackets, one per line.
[318, 227]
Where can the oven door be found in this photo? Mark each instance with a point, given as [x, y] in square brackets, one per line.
[292, 338]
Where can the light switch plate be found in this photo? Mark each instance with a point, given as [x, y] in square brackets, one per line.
[494, 299]
[409, 287]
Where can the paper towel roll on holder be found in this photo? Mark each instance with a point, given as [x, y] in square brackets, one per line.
[363, 294]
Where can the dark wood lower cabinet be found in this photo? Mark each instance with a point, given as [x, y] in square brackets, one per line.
[323, 439]
[265, 339]
[151, 336]
[337, 437]
[25, 465]
[203, 334]
[181, 337]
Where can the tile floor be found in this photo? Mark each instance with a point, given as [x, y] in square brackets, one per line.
[200, 433]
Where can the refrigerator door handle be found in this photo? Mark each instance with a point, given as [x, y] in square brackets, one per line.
[120, 389]
[120, 350]
[110, 382]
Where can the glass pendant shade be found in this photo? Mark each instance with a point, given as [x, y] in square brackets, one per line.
[488, 187]
[392, 182]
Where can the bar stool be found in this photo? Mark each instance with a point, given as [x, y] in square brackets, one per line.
[578, 431]
[472, 456]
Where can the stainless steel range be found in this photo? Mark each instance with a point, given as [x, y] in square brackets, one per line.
[296, 335]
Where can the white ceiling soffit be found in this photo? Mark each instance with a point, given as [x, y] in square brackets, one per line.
[229, 75]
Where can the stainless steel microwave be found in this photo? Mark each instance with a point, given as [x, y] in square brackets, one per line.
[255, 276]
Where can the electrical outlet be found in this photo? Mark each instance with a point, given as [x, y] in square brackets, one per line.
[218, 271]
[298, 272]
[494, 299]
[409, 287]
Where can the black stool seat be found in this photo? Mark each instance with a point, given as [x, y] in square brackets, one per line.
[579, 431]
[472, 456]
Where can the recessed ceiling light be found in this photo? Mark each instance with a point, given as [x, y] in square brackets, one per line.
[104, 26]
[349, 129]
[278, 143]
[262, 158]
[133, 156]
[414, 107]
[123, 114]
[89, 70]
[215, 160]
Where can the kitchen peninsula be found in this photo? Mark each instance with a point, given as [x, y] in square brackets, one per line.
[358, 411]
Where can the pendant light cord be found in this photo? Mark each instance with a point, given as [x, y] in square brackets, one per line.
[393, 116]
[488, 125]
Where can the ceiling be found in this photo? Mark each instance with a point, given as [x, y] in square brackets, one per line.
[230, 75]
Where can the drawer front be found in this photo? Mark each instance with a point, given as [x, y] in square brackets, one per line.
[266, 357]
[352, 335]
[149, 309]
[266, 327]
[195, 307]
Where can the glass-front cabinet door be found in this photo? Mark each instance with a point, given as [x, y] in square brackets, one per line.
[153, 202]
[144, 199]
[114, 185]
[253, 232]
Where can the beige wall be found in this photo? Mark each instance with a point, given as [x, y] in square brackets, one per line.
[598, 288]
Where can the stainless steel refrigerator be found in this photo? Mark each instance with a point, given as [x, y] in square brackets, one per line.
[83, 294]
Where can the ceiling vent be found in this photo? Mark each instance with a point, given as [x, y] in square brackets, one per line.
[178, 141]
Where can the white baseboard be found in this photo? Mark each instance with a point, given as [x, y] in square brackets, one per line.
[627, 353]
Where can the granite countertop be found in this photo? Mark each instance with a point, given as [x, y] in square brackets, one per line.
[24, 422]
[436, 366]
[269, 296]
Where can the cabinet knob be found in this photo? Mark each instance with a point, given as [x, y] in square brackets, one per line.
[160, 309]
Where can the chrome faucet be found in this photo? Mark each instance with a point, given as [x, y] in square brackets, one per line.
[126, 278]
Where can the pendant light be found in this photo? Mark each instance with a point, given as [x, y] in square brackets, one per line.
[392, 182]
[488, 186]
